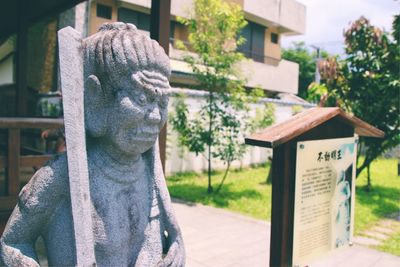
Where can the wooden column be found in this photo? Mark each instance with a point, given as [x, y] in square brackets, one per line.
[13, 162]
[282, 214]
[160, 22]
[159, 30]
[21, 68]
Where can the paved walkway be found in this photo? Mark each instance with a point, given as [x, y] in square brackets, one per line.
[218, 238]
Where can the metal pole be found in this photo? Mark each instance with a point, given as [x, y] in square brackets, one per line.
[318, 58]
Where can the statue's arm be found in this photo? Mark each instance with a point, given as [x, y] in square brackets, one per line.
[173, 247]
[37, 201]
[18, 240]
[173, 243]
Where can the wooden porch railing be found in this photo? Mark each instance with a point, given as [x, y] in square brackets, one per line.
[13, 160]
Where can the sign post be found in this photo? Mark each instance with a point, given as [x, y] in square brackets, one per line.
[297, 174]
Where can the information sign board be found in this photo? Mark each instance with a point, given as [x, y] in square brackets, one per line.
[324, 197]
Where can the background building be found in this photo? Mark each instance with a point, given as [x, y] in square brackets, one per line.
[268, 22]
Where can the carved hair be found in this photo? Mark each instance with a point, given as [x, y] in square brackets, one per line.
[120, 48]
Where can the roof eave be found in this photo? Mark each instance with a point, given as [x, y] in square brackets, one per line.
[281, 133]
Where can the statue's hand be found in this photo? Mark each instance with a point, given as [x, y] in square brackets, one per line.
[176, 252]
[23, 255]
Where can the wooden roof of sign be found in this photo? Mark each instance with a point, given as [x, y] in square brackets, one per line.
[283, 132]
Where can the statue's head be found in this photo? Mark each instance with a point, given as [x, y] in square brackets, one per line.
[126, 87]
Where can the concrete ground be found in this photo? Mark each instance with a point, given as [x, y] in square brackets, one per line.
[218, 238]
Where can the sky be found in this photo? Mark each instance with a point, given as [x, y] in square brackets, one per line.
[326, 20]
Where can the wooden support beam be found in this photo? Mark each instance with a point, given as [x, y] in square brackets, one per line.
[35, 161]
[8, 203]
[159, 30]
[27, 161]
[13, 161]
[282, 214]
[13, 164]
[31, 123]
[160, 22]
[22, 60]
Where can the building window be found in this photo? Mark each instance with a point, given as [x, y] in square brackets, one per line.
[254, 45]
[103, 11]
[141, 20]
[274, 38]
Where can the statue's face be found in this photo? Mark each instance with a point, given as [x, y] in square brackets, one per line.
[139, 112]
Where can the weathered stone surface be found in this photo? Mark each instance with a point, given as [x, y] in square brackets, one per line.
[125, 107]
[72, 81]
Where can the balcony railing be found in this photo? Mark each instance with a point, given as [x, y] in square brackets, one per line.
[13, 161]
[259, 57]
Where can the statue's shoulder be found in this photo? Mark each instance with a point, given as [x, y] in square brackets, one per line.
[47, 186]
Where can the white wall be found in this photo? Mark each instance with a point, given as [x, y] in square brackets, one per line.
[284, 77]
[289, 14]
[181, 8]
[180, 160]
[293, 16]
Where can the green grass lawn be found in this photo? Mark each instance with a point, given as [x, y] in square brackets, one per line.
[246, 192]
[383, 200]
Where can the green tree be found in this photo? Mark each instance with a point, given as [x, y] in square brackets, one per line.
[366, 83]
[263, 118]
[216, 131]
[299, 53]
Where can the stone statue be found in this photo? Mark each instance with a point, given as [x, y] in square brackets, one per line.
[125, 107]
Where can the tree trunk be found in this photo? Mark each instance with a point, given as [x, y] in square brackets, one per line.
[223, 179]
[269, 177]
[369, 178]
[209, 188]
[210, 99]
[398, 167]
[364, 165]
[359, 150]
